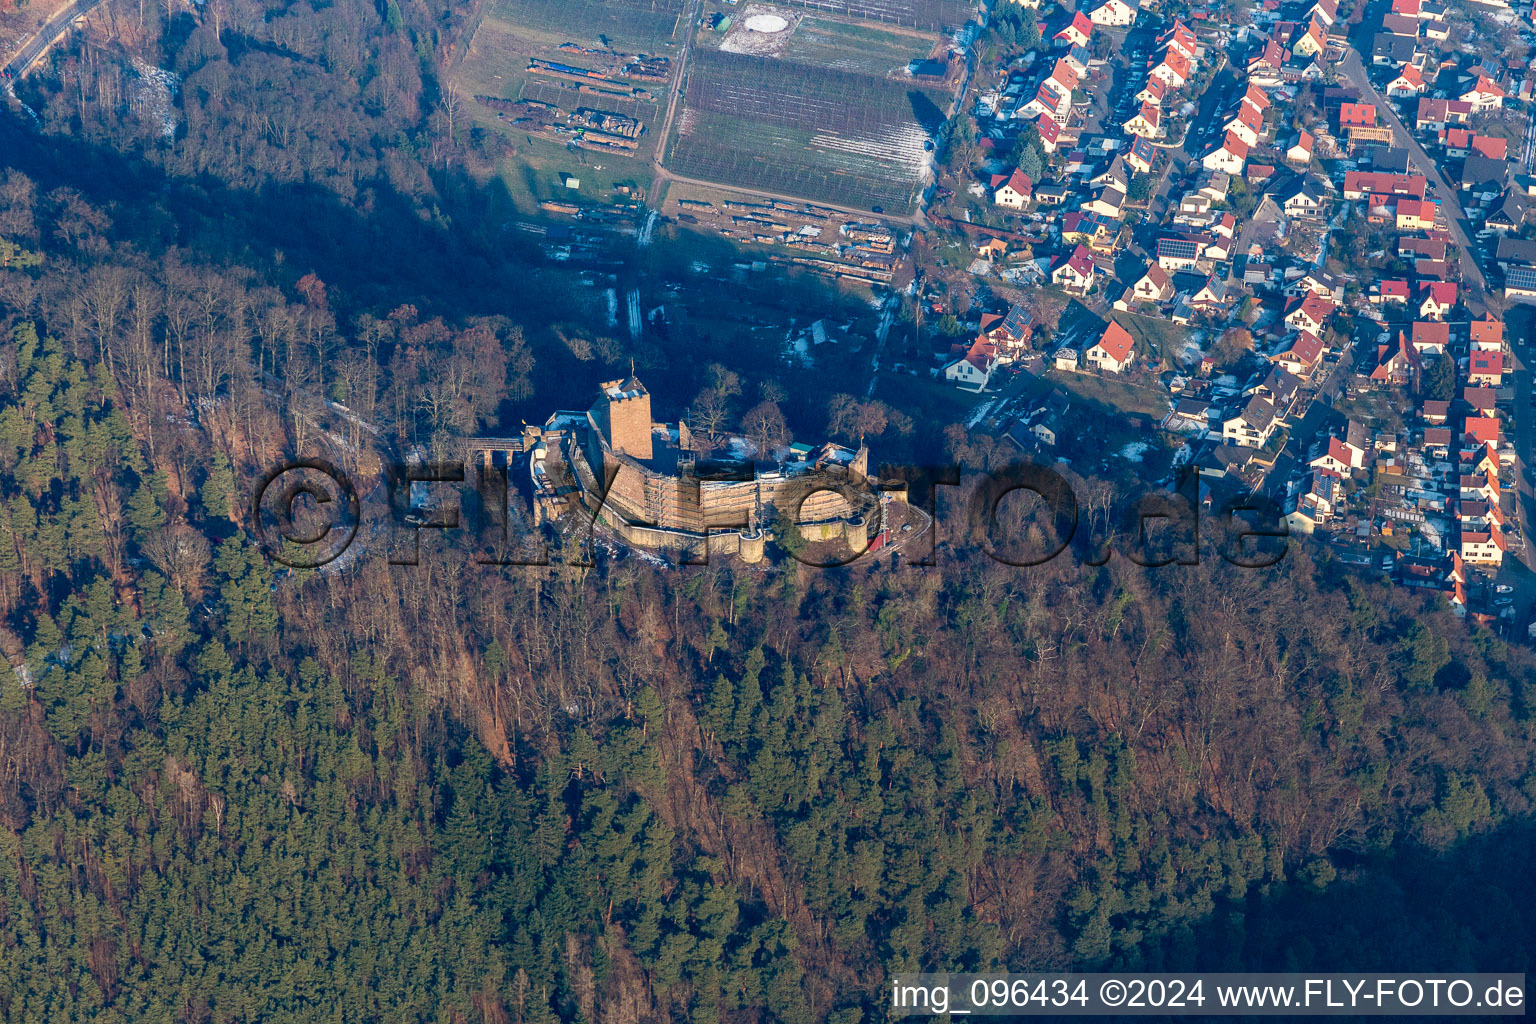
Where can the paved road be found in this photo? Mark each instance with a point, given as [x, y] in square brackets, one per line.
[691, 23]
[1180, 161]
[1353, 69]
[51, 30]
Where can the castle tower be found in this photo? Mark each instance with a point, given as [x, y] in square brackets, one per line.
[623, 411]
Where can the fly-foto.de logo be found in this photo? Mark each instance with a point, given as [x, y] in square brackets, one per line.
[307, 513]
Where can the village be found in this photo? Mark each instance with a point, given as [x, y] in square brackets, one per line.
[1287, 249]
[1287, 246]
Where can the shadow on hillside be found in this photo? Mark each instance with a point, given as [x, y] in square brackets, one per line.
[457, 255]
[1470, 909]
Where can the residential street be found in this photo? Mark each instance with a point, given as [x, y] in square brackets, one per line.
[1353, 69]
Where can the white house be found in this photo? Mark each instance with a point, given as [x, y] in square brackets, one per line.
[1077, 32]
[1409, 82]
[1301, 150]
[1153, 92]
[971, 373]
[1173, 69]
[1012, 190]
[1147, 122]
[1115, 13]
[1253, 425]
[1108, 203]
[1228, 157]
[1181, 39]
[1439, 299]
[1484, 95]
[1246, 123]
[1483, 547]
[1339, 456]
[1114, 351]
[1076, 272]
[1309, 313]
[1155, 285]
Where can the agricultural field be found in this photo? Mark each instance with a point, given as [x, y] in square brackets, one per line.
[641, 25]
[830, 136]
[934, 15]
[865, 49]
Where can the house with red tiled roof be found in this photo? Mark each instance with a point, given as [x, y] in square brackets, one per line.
[1065, 74]
[1408, 82]
[1488, 333]
[1340, 456]
[1076, 32]
[1076, 271]
[1173, 69]
[1415, 214]
[1114, 351]
[1359, 184]
[1309, 312]
[1486, 368]
[1256, 98]
[1326, 11]
[1483, 547]
[1012, 190]
[1052, 99]
[1300, 151]
[1156, 285]
[1153, 92]
[1309, 40]
[1229, 156]
[1301, 354]
[1357, 115]
[1245, 122]
[1146, 122]
[1390, 291]
[1438, 298]
[1457, 141]
[1050, 133]
[1491, 146]
[1429, 338]
[1267, 61]
[1396, 364]
[1484, 95]
[1180, 37]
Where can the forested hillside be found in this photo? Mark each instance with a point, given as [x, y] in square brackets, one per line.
[630, 793]
[446, 792]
